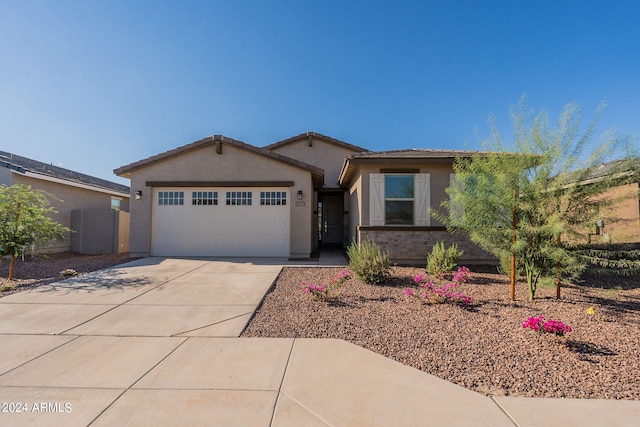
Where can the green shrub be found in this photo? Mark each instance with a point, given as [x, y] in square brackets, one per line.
[505, 265]
[368, 262]
[441, 260]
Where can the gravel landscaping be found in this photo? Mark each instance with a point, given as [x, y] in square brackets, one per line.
[482, 346]
[43, 269]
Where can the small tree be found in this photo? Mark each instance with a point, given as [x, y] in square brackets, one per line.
[524, 201]
[25, 220]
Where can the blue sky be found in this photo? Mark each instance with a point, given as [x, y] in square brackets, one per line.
[94, 85]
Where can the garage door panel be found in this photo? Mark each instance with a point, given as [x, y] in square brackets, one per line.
[221, 230]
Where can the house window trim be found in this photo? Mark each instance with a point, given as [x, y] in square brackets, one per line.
[400, 199]
[116, 207]
[174, 196]
[421, 197]
[202, 198]
[273, 198]
[239, 198]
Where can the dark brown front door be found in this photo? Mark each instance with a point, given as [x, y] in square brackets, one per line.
[332, 219]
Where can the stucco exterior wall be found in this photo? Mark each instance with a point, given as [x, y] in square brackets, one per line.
[234, 164]
[70, 198]
[621, 221]
[439, 182]
[321, 154]
[413, 246]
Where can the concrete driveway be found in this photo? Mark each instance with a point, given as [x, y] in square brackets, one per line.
[155, 342]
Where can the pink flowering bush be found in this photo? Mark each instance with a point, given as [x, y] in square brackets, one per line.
[446, 293]
[329, 290]
[538, 324]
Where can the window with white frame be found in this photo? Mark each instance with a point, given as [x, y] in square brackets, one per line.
[239, 198]
[273, 198]
[204, 198]
[170, 198]
[399, 199]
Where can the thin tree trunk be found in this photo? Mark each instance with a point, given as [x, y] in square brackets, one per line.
[514, 223]
[559, 276]
[11, 265]
[13, 257]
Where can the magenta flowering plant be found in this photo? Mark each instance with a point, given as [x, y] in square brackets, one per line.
[443, 293]
[539, 324]
[329, 290]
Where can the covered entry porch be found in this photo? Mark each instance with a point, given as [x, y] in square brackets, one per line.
[331, 219]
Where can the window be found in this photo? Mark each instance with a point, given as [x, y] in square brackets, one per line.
[170, 198]
[273, 198]
[115, 203]
[204, 198]
[398, 199]
[239, 198]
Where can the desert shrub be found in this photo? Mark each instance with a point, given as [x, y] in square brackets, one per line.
[368, 262]
[611, 259]
[505, 266]
[441, 260]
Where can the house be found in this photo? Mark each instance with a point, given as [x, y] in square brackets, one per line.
[222, 197]
[95, 209]
[620, 223]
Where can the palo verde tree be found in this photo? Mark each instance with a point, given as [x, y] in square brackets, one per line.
[25, 220]
[525, 201]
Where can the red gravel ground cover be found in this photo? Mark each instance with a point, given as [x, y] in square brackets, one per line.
[482, 346]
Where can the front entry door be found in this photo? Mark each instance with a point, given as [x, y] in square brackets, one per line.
[332, 218]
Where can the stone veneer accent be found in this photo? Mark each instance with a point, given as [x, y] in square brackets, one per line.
[413, 244]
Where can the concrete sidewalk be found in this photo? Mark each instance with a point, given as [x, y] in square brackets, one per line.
[154, 342]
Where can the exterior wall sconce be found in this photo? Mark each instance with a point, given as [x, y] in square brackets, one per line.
[138, 194]
[299, 195]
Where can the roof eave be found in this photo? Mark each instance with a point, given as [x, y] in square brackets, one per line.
[125, 171]
[84, 186]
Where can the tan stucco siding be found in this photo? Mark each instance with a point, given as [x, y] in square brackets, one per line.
[439, 182]
[234, 164]
[71, 198]
[622, 220]
[440, 177]
[324, 155]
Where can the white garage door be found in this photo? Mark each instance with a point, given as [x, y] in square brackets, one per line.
[221, 221]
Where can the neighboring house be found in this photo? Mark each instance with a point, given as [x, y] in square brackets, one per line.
[95, 209]
[621, 222]
[223, 197]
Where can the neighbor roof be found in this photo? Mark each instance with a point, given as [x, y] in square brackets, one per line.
[316, 172]
[399, 157]
[318, 136]
[36, 169]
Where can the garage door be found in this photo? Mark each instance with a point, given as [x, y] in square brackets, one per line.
[221, 221]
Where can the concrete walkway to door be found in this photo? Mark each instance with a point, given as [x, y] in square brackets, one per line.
[155, 342]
